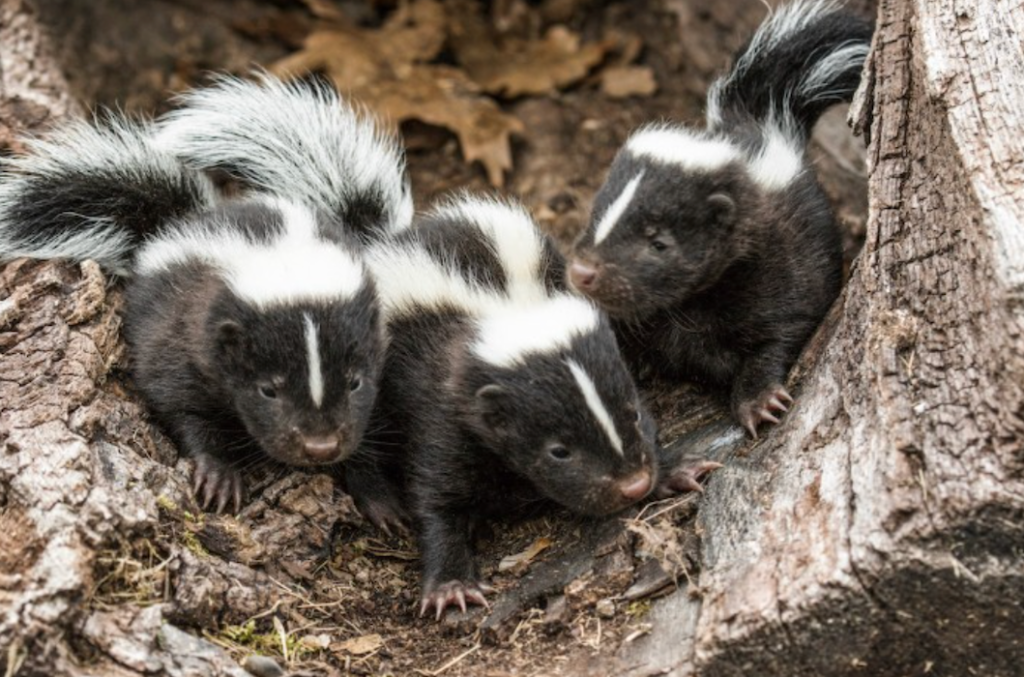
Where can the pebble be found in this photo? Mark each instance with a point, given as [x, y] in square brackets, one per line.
[261, 666]
[605, 608]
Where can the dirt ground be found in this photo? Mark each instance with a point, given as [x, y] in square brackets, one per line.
[347, 605]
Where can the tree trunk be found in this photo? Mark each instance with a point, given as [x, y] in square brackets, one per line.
[878, 532]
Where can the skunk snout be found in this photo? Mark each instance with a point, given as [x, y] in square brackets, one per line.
[636, 486]
[320, 449]
[583, 275]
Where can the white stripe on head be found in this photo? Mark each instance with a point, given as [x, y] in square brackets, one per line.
[617, 208]
[780, 159]
[316, 373]
[508, 335]
[294, 266]
[683, 147]
[597, 408]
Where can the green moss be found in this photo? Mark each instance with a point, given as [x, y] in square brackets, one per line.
[638, 609]
[192, 543]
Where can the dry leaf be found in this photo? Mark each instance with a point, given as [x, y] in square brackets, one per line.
[356, 59]
[384, 69]
[525, 557]
[444, 96]
[514, 66]
[538, 67]
[357, 646]
[660, 539]
[618, 82]
[325, 9]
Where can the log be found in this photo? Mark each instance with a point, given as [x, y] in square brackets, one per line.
[89, 491]
[877, 532]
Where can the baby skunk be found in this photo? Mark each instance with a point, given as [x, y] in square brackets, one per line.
[252, 325]
[716, 250]
[499, 387]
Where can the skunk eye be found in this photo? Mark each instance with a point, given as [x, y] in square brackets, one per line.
[559, 452]
[355, 384]
[658, 245]
[268, 392]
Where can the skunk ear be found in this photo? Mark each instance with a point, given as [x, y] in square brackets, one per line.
[492, 404]
[229, 341]
[723, 207]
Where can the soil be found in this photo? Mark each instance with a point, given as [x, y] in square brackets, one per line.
[347, 604]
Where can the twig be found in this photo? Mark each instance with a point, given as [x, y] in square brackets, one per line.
[452, 662]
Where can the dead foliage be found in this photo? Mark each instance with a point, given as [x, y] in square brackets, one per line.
[443, 64]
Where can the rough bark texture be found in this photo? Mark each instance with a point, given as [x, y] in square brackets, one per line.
[878, 531]
[84, 480]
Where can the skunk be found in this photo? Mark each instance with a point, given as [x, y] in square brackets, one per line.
[253, 325]
[715, 250]
[499, 387]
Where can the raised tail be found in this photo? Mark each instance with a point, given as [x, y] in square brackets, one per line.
[806, 56]
[299, 141]
[94, 190]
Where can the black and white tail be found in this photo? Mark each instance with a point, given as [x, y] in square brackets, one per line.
[94, 190]
[300, 141]
[806, 56]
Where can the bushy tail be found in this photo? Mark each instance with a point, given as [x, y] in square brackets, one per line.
[299, 141]
[806, 56]
[94, 190]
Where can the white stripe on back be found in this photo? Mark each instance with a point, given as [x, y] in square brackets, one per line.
[597, 407]
[511, 233]
[295, 266]
[781, 158]
[316, 373]
[617, 208]
[683, 147]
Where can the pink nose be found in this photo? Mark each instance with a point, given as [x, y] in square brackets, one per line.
[582, 276]
[636, 487]
[320, 449]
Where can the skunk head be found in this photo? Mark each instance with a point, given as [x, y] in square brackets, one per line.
[670, 219]
[548, 391]
[302, 377]
[293, 333]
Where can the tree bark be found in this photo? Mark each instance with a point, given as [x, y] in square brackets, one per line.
[878, 531]
[88, 490]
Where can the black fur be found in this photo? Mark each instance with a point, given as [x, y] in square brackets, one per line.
[104, 179]
[53, 208]
[206, 360]
[467, 439]
[229, 380]
[710, 275]
[761, 83]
